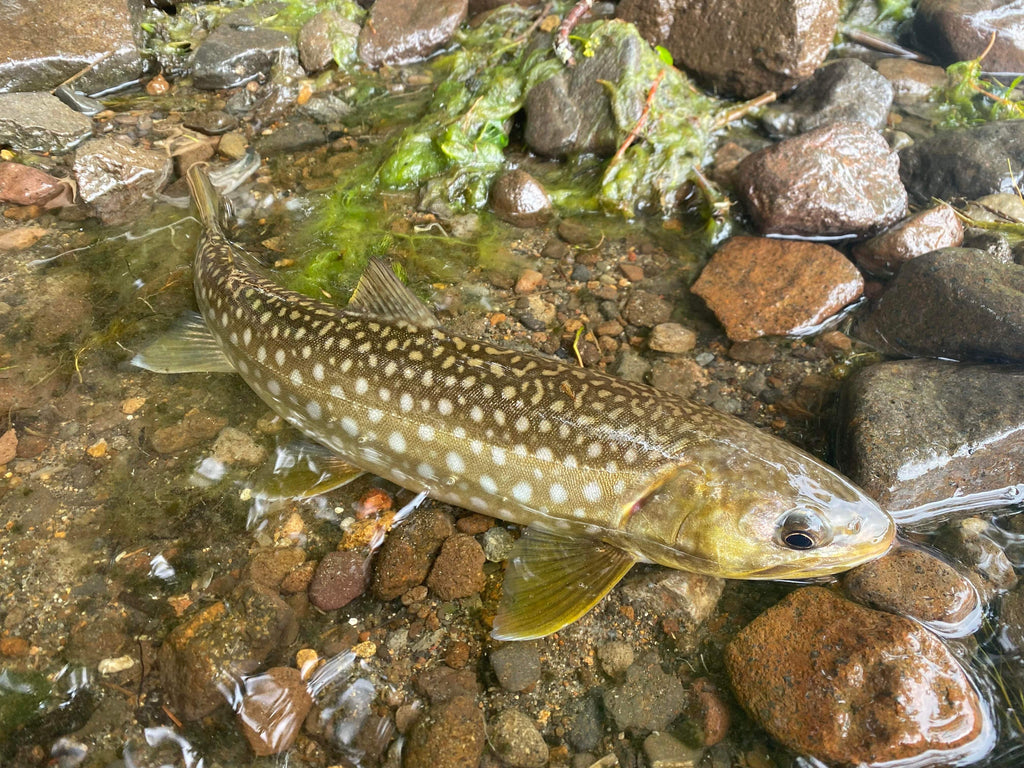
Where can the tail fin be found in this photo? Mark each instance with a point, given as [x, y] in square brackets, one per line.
[205, 198]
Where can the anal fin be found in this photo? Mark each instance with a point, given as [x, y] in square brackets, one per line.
[553, 580]
[302, 470]
[188, 347]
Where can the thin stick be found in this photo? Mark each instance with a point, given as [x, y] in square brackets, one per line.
[745, 108]
[85, 69]
[641, 121]
[562, 47]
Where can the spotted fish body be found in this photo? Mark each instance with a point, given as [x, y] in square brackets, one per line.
[604, 471]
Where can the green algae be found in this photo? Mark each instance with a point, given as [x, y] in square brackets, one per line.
[969, 97]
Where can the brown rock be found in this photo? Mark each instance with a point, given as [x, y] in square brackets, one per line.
[8, 446]
[21, 238]
[960, 30]
[760, 286]
[911, 81]
[707, 708]
[24, 185]
[672, 338]
[269, 567]
[646, 309]
[971, 542]
[115, 178]
[929, 230]
[441, 684]
[680, 376]
[449, 735]
[757, 351]
[403, 31]
[194, 428]
[339, 579]
[744, 48]
[518, 198]
[846, 684]
[408, 551]
[272, 709]
[458, 569]
[529, 281]
[839, 179]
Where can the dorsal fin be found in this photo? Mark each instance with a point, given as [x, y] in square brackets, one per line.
[381, 294]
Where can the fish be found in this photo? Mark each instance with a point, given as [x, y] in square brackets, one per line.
[601, 473]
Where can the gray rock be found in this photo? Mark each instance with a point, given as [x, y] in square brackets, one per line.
[45, 42]
[689, 598]
[585, 727]
[327, 38]
[839, 179]
[212, 122]
[912, 82]
[1011, 615]
[403, 31]
[956, 303]
[646, 309]
[672, 338]
[497, 543]
[665, 751]
[516, 740]
[743, 48]
[326, 108]
[960, 30]
[239, 50]
[518, 198]
[516, 665]
[648, 699]
[920, 431]
[115, 178]
[844, 89]
[971, 542]
[967, 163]
[40, 122]
[291, 137]
[616, 657]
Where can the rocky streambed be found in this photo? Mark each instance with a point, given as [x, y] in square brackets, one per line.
[841, 266]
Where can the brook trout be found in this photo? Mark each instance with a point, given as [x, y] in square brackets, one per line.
[603, 472]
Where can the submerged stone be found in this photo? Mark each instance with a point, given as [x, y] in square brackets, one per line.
[960, 30]
[272, 709]
[921, 431]
[647, 700]
[516, 740]
[40, 122]
[239, 50]
[929, 230]
[956, 303]
[408, 551]
[847, 684]
[972, 542]
[115, 178]
[518, 198]
[404, 31]
[449, 735]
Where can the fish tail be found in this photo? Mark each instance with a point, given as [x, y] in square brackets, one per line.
[205, 198]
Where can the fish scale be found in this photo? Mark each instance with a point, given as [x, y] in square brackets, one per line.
[604, 472]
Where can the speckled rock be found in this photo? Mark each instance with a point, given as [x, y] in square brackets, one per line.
[689, 598]
[745, 49]
[497, 544]
[960, 30]
[915, 583]
[240, 50]
[672, 338]
[647, 700]
[403, 31]
[233, 446]
[929, 230]
[646, 309]
[269, 567]
[449, 735]
[40, 122]
[25, 185]
[272, 709]
[195, 427]
[911, 81]
[759, 286]
[442, 683]
[216, 645]
[707, 709]
[408, 551]
[666, 751]
[846, 684]
[516, 665]
[842, 89]
[458, 569]
[971, 543]
[616, 657]
[340, 578]
[116, 179]
[957, 303]
[839, 179]
[516, 740]
[518, 198]
[967, 163]
[920, 431]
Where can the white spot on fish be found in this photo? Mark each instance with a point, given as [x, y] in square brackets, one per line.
[274, 387]
[396, 442]
[296, 377]
[522, 491]
[592, 492]
[362, 386]
[488, 484]
[558, 493]
[261, 354]
[337, 391]
[544, 453]
[476, 413]
[247, 336]
[522, 424]
[455, 462]
[318, 371]
[313, 409]
[405, 402]
[375, 415]
[498, 455]
[427, 471]
[425, 432]
[444, 406]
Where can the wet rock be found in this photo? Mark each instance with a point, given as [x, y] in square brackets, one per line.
[233, 446]
[403, 31]
[632, 366]
[911, 81]
[760, 286]
[844, 89]
[519, 199]
[585, 726]
[8, 446]
[291, 137]
[327, 38]
[970, 542]
[405, 557]
[915, 583]
[497, 544]
[672, 338]
[441, 684]
[535, 313]
[666, 751]
[239, 50]
[648, 699]
[48, 41]
[689, 598]
[516, 665]
[646, 309]
[929, 230]
[103, 636]
[458, 570]
[757, 351]
[739, 48]
[340, 578]
[679, 376]
[449, 735]
[272, 709]
[24, 185]
[326, 108]
[195, 427]
[212, 122]
[707, 710]
[966, 163]
[217, 645]
[40, 122]
[847, 684]
[516, 740]
[1011, 615]
[20, 238]
[115, 178]
[616, 658]
[920, 431]
[839, 179]
[233, 145]
[956, 303]
[954, 30]
[270, 567]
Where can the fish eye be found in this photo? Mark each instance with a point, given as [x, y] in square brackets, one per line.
[802, 530]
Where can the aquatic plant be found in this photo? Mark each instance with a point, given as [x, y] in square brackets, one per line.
[970, 97]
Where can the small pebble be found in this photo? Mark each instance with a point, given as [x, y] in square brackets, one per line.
[516, 665]
[615, 657]
[672, 337]
[497, 544]
[516, 740]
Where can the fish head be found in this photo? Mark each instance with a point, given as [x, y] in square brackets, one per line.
[771, 515]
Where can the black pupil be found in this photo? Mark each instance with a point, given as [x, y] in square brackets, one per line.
[799, 540]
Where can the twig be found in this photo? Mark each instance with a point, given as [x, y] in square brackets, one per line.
[85, 69]
[641, 121]
[744, 109]
[563, 50]
[876, 43]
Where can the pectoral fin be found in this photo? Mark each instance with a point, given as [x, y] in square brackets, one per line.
[188, 347]
[553, 580]
[301, 470]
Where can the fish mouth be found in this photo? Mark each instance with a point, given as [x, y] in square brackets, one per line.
[834, 558]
